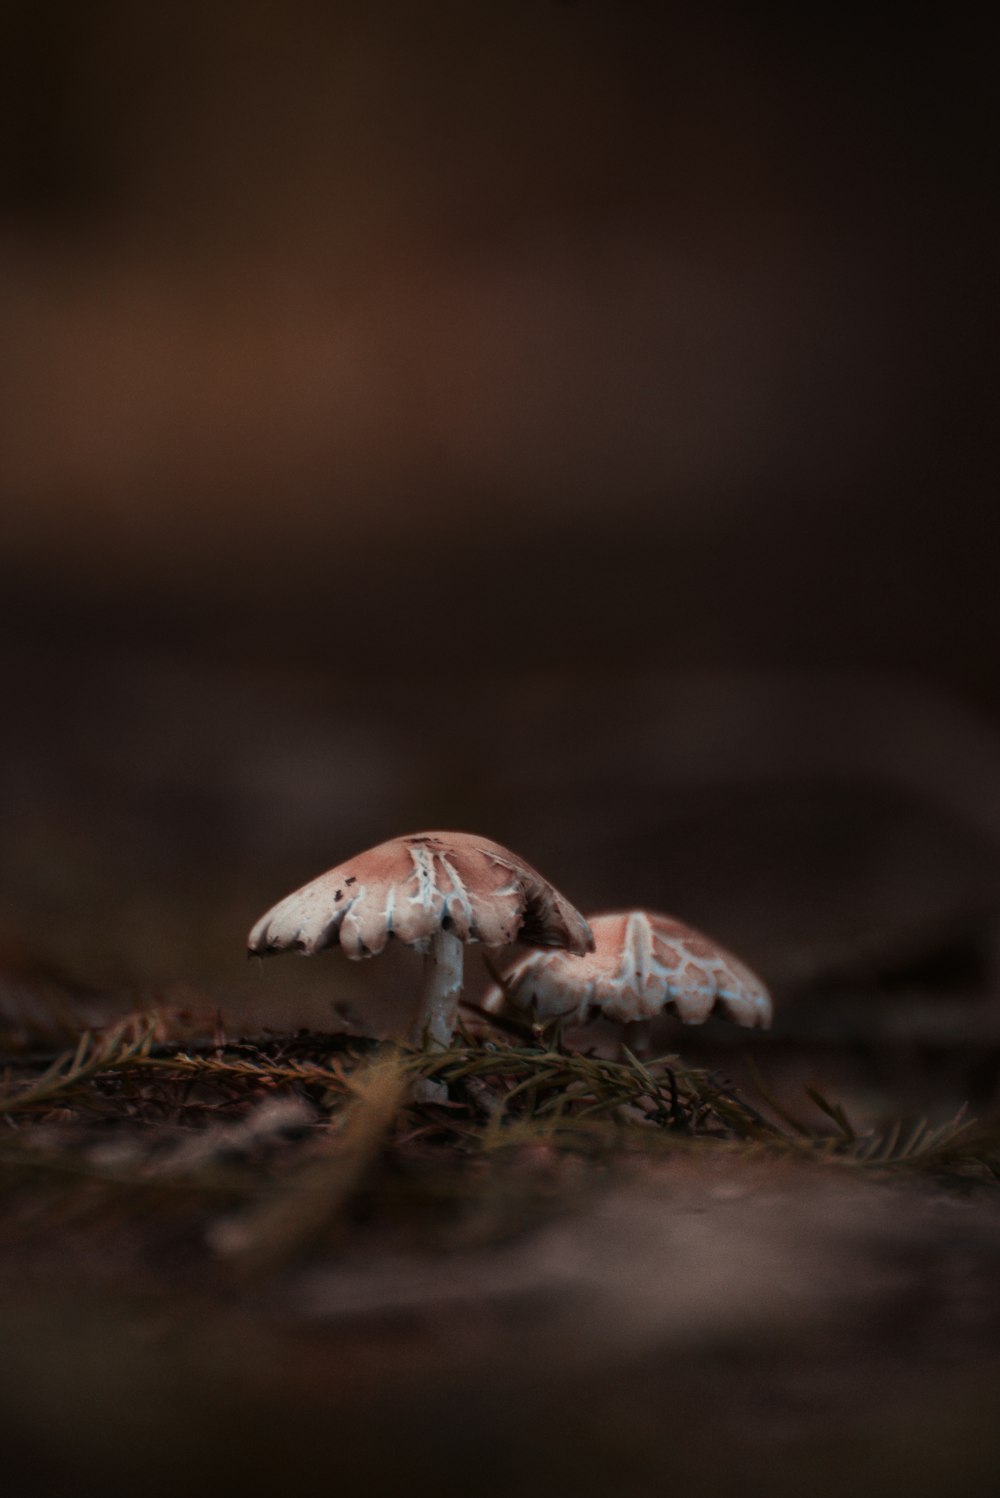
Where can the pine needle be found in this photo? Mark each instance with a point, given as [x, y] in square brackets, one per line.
[284, 1224]
[501, 1088]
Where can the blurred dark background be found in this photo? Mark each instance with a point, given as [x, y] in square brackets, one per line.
[573, 422]
[556, 420]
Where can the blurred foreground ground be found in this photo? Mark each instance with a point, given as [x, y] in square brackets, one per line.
[665, 1325]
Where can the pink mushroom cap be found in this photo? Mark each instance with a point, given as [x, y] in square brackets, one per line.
[642, 963]
[411, 888]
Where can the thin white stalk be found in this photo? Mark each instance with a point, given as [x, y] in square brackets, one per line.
[440, 993]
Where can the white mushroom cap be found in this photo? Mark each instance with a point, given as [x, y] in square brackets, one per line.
[642, 962]
[414, 887]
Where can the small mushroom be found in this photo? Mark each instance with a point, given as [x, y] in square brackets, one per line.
[435, 891]
[642, 963]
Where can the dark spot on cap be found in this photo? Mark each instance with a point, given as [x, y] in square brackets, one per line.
[353, 880]
[337, 895]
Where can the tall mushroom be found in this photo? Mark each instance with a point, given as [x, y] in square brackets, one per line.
[642, 963]
[435, 891]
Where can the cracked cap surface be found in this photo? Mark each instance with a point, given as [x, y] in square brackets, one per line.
[642, 963]
[411, 888]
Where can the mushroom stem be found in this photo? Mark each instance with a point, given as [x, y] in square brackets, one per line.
[440, 993]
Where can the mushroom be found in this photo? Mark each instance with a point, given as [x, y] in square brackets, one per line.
[435, 891]
[642, 962]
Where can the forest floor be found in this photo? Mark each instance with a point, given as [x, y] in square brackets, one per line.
[236, 1258]
[245, 1265]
